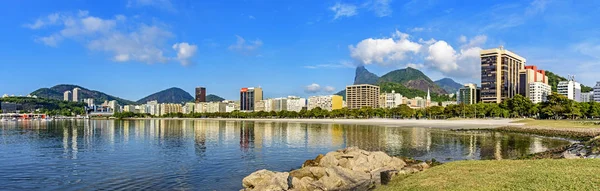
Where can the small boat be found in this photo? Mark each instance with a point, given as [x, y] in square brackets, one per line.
[4, 119]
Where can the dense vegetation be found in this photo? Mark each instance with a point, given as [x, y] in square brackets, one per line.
[412, 78]
[47, 106]
[553, 80]
[213, 98]
[171, 95]
[57, 93]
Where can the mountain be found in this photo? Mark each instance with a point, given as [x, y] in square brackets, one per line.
[553, 80]
[363, 76]
[57, 93]
[212, 98]
[413, 79]
[342, 93]
[449, 85]
[171, 95]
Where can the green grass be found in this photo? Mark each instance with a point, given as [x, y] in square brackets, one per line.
[558, 123]
[546, 174]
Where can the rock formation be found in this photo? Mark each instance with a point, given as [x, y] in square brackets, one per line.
[345, 169]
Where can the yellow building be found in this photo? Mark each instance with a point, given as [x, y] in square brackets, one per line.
[337, 102]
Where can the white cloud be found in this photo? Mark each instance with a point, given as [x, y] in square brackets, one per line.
[245, 48]
[312, 88]
[443, 58]
[343, 10]
[185, 52]
[384, 50]
[251, 17]
[588, 49]
[329, 89]
[462, 39]
[124, 41]
[476, 41]
[51, 19]
[381, 8]
[536, 6]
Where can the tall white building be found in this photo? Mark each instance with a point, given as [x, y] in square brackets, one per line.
[66, 96]
[597, 92]
[295, 103]
[390, 100]
[571, 89]
[188, 107]
[587, 97]
[539, 91]
[89, 102]
[76, 94]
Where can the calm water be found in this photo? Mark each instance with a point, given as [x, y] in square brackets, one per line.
[213, 155]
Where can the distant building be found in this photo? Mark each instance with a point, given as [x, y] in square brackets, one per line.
[362, 95]
[499, 74]
[249, 96]
[188, 108]
[231, 106]
[200, 94]
[89, 102]
[417, 102]
[295, 103]
[390, 100]
[597, 92]
[528, 75]
[76, 94]
[129, 108]
[469, 94]
[570, 89]
[447, 103]
[166, 108]
[66, 96]
[330, 102]
[260, 105]
[216, 107]
[538, 92]
[587, 97]
[201, 107]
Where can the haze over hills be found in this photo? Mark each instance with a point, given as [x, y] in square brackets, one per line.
[57, 92]
[449, 85]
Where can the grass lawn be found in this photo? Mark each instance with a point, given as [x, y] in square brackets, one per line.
[557, 123]
[546, 174]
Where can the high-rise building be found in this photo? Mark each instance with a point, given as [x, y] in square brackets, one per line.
[597, 92]
[390, 100]
[469, 94]
[89, 102]
[587, 97]
[67, 96]
[200, 94]
[538, 92]
[570, 89]
[500, 74]
[528, 75]
[76, 94]
[362, 95]
[216, 107]
[330, 102]
[249, 96]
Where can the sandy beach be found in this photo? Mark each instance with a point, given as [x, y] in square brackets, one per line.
[443, 124]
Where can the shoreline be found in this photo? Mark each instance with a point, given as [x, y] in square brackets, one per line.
[441, 124]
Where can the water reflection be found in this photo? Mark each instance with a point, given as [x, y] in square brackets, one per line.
[208, 155]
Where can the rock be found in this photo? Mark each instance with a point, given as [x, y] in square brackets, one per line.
[314, 162]
[329, 160]
[305, 184]
[397, 163]
[376, 174]
[312, 172]
[422, 166]
[339, 178]
[266, 180]
[568, 155]
[386, 176]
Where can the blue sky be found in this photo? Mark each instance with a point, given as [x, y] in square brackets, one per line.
[134, 48]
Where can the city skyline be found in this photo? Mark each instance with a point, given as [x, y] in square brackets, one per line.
[288, 48]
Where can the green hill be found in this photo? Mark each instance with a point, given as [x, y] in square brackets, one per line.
[363, 76]
[57, 93]
[449, 85]
[171, 95]
[413, 79]
[212, 98]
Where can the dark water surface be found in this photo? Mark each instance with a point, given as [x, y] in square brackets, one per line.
[213, 155]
